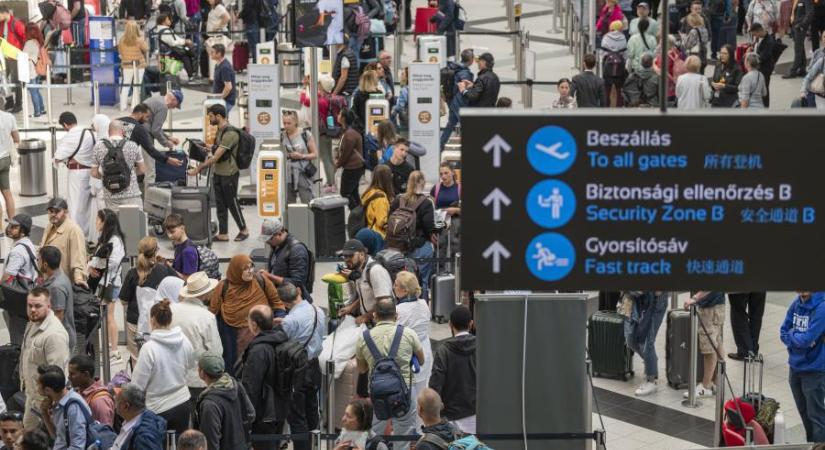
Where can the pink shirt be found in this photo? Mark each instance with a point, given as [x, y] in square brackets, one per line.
[100, 402]
[605, 19]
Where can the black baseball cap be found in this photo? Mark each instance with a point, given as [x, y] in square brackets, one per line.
[57, 203]
[352, 246]
[24, 221]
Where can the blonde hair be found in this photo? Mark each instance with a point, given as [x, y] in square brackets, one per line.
[131, 35]
[409, 283]
[695, 20]
[693, 64]
[147, 257]
[416, 179]
[616, 25]
[368, 82]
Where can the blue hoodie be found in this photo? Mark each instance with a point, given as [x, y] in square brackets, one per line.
[149, 433]
[802, 333]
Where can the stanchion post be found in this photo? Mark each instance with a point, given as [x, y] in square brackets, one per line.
[313, 107]
[674, 300]
[515, 25]
[591, 27]
[330, 406]
[692, 401]
[104, 342]
[720, 401]
[134, 87]
[169, 120]
[96, 94]
[557, 16]
[457, 271]
[25, 107]
[398, 45]
[526, 89]
[69, 76]
[457, 36]
[315, 439]
[663, 81]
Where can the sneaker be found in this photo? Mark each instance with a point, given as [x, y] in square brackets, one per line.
[701, 391]
[646, 388]
[115, 357]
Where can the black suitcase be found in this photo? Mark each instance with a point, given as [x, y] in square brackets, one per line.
[9, 371]
[330, 225]
[192, 203]
[609, 354]
[677, 350]
[442, 292]
[609, 300]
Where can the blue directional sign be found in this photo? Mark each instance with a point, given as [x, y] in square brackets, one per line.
[551, 150]
[551, 203]
[550, 256]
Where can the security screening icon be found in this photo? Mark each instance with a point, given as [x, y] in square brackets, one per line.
[551, 203]
[551, 150]
[550, 256]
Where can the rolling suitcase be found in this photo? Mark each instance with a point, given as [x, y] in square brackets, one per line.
[157, 203]
[240, 56]
[609, 300]
[677, 350]
[330, 225]
[169, 173]
[443, 295]
[9, 371]
[193, 204]
[609, 354]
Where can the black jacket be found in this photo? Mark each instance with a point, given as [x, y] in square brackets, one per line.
[804, 15]
[223, 414]
[443, 430]
[642, 88]
[291, 261]
[769, 51]
[484, 92]
[588, 89]
[138, 134]
[728, 95]
[454, 376]
[257, 373]
[351, 83]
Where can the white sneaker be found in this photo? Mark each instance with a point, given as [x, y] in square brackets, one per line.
[701, 391]
[115, 357]
[646, 388]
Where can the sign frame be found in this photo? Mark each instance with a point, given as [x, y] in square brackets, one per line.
[425, 104]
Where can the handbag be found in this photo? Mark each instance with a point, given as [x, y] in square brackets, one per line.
[16, 289]
[818, 84]
[309, 170]
[377, 26]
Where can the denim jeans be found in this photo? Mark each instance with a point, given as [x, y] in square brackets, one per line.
[37, 99]
[425, 251]
[722, 32]
[253, 35]
[452, 120]
[355, 44]
[648, 350]
[808, 389]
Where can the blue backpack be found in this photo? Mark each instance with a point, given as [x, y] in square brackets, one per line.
[389, 394]
[99, 435]
[468, 442]
[370, 151]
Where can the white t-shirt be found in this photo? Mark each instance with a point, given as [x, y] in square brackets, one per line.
[416, 315]
[7, 125]
[213, 20]
[379, 285]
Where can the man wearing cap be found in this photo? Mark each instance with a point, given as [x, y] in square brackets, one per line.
[483, 92]
[134, 161]
[289, 260]
[75, 149]
[197, 323]
[643, 10]
[21, 264]
[134, 130]
[223, 412]
[225, 180]
[372, 281]
[62, 232]
[159, 108]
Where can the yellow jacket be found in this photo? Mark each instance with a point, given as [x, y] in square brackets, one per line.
[378, 211]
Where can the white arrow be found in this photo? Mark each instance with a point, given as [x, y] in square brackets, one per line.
[496, 250]
[497, 144]
[497, 198]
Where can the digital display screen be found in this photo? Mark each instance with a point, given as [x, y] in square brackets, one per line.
[425, 100]
[377, 111]
[265, 51]
[432, 50]
[268, 164]
[269, 177]
[263, 103]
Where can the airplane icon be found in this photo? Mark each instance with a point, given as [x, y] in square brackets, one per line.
[552, 150]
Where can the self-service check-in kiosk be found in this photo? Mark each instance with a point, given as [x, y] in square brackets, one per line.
[265, 53]
[270, 181]
[377, 110]
[433, 49]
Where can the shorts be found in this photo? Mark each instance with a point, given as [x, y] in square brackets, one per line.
[5, 168]
[713, 319]
[131, 340]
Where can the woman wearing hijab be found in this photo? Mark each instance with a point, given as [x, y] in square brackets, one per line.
[169, 289]
[233, 298]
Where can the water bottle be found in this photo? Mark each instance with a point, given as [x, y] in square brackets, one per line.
[779, 428]
[330, 123]
[95, 446]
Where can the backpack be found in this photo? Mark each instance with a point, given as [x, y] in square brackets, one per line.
[86, 310]
[613, 64]
[390, 18]
[116, 172]
[370, 149]
[100, 435]
[468, 442]
[246, 148]
[448, 84]
[402, 223]
[358, 216]
[292, 363]
[362, 23]
[336, 104]
[389, 393]
[393, 261]
[41, 67]
[208, 262]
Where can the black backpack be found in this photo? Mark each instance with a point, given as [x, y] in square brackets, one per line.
[246, 148]
[292, 362]
[448, 86]
[389, 393]
[116, 171]
[613, 64]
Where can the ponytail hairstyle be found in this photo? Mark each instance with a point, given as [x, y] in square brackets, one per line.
[147, 257]
[415, 181]
[162, 313]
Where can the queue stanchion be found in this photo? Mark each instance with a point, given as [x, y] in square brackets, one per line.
[315, 439]
[330, 406]
[69, 101]
[457, 36]
[134, 87]
[674, 300]
[313, 108]
[25, 107]
[720, 401]
[104, 342]
[169, 120]
[692, 401]
[554, 20]
[457, 271]
[171, 443]
[96, 89]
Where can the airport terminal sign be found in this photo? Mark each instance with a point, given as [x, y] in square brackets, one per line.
[615, 201]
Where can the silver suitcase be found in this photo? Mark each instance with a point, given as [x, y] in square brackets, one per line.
[157, 203]
[443, 295]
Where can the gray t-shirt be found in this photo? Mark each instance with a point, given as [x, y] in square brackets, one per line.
[20, 262]
[62, 299]
[752, 88]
